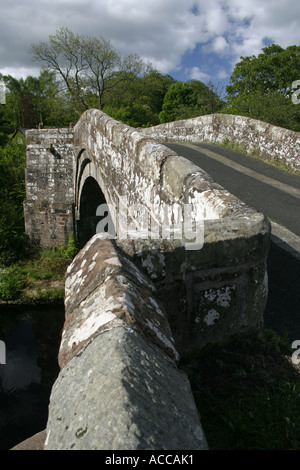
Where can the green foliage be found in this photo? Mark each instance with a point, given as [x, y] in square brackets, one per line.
[137, 115]
[261, 87]
[12, 194]
[138, 101]
[10, 283]
[128, 89]
[72, 247]
[34, 279]
[37, 100]
[5, 127]
[180, 102]
[87, 66]
[46, 296]
[248, 393]
[185, 100]
[68, 251]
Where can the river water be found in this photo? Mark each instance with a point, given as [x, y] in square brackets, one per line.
[31, 338]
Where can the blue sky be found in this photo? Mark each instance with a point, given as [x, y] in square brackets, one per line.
[187, 39]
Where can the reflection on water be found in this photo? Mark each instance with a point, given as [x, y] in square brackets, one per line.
[32, 338]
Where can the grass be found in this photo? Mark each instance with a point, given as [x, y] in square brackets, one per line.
[247, 393]
[40, 277]
[241, 149]
[37, 279]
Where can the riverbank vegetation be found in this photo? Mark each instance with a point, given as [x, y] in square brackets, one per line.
[247, 393]
[38, 277]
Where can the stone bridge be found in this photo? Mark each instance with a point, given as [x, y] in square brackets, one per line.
[170, 262]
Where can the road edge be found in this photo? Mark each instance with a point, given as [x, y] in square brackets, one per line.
[286, 239]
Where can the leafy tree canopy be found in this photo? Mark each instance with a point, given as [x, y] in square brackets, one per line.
[87, 66]
[184, 100]
[275, 69]
[261, 87]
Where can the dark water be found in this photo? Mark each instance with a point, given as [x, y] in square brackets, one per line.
[32, 337]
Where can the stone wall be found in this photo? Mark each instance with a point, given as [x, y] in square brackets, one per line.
[213, 282]
[213, 293]
[119, 387]
[211, 277]
[257, 137]
[49, 175]
[212, 289]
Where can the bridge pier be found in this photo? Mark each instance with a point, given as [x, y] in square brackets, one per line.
[49, 175]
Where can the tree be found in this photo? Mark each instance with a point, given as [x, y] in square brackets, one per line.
[185, 100]
[138, 101]
[275, 69]
[12, 194]
[89, 67]
[213, 94]
[53, 107]
[5, 126]
[261, 87]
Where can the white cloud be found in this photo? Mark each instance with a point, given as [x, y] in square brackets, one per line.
[220, 45]
[222, 74]
[160, 31]
[196, 74]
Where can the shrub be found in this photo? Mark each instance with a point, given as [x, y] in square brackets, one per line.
[10, 284]
[62, 251]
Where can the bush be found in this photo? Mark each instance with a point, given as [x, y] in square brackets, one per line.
[62, 251]
[72, 247]
[12, 195]
[10, 284]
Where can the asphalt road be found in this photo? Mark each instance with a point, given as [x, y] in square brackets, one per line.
[275, 193]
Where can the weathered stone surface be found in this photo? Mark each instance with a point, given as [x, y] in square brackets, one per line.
[48, 208]
[147, 187]
[268, 141]
[121, 394]
[104, 290]
[119, 386]
[191, 284]
[35, 442]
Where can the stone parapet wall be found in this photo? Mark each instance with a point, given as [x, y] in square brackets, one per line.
[49, 175]
[132, 167]
[119, 387]
[212, 293]
[213, 282]
[256, 137]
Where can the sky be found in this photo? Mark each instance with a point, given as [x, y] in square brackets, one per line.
[188, 39]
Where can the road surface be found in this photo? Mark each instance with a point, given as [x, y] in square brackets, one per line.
[275, 193]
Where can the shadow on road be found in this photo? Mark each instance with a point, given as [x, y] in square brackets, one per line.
[282, 313]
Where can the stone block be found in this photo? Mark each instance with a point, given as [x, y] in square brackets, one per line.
[122, 394]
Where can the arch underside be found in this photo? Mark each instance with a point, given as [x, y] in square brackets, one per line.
[90, 194]
[91, 198]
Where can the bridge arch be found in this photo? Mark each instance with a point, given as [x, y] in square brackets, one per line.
[90, 193]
